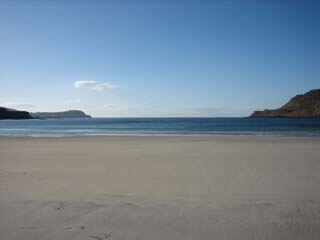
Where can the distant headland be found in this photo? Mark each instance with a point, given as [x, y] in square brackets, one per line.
[8, 113]
[65, 114]
[300, 106]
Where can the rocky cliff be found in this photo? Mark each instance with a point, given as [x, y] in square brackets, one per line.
[306, 105]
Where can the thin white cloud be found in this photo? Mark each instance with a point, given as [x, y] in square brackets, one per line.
[94, 85]
[17, 105]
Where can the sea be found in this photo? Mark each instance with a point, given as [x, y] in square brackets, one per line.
[160, 126]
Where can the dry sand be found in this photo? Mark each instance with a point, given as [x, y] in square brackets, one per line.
[156, 188]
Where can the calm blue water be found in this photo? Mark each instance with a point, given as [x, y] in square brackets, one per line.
[161, 126]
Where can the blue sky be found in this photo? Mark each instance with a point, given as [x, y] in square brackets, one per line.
[157, 58]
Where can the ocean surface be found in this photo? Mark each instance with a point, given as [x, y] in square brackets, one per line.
[160, 126]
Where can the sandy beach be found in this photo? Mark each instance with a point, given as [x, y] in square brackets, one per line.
[179, 188]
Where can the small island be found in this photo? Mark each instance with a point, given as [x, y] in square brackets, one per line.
[300, 106]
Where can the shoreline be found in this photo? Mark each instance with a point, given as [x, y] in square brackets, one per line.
[176, 138]
[213, 135]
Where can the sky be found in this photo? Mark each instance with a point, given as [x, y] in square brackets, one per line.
[157, 58]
